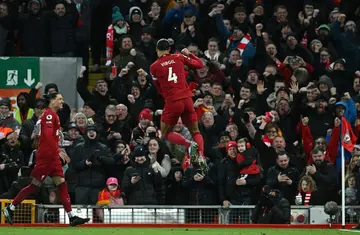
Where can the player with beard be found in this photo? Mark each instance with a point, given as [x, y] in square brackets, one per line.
[169, 78]
[49, 160]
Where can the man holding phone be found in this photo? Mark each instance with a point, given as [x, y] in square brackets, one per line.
[141, 184]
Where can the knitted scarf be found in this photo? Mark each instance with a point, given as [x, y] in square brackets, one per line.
[307, 197]
[243, 43]
[105, 197]
[110, 39]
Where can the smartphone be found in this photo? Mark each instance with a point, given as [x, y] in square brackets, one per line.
[152, 134]
[135, 175]
[227, 96]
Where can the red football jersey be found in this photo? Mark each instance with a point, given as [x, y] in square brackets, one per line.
[168, 73]
[48, 150]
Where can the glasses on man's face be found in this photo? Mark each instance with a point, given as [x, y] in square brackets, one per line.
[320, 142]
[111, 116]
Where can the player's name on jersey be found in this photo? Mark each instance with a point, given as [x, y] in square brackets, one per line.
[166, 63]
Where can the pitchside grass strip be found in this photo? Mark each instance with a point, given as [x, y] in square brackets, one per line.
[167, 231]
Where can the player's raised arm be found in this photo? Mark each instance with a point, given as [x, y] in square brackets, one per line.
[191, 60]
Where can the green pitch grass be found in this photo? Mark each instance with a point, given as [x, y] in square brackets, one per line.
[167, 231]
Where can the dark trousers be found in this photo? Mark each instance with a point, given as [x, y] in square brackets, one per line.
[99, 22]
[86, 195]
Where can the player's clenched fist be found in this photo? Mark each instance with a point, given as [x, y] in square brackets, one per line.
[185, 51]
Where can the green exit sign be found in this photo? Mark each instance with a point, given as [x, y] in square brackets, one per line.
[19, 72]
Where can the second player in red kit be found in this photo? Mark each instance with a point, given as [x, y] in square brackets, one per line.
[48, 162]
[168, 74]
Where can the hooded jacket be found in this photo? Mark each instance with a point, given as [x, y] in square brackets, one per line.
[149, 190]
[93, 176]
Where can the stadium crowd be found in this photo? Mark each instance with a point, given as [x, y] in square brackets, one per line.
[276, 99]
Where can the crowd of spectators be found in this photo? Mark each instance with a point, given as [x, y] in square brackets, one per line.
[279, 79]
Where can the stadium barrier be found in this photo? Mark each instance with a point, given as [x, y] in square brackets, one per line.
[26, 213]
[30, 213]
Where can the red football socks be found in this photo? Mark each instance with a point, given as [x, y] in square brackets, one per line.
[176, 138]
[200, 142]
[24, 193]
[64, 196]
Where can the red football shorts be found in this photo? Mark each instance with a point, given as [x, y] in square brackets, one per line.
[183, 108]
[43, 170]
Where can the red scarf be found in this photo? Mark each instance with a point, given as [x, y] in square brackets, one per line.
[243, 43]
[253, 169]
[307, 197]
[267, 141]
[110, 41]
[304, 40]
[327, 63]
[105, 195]
[278, 62]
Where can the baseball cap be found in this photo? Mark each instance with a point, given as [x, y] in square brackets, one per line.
[112, 180]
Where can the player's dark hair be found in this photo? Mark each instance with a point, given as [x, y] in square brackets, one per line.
[163, 45]
[50, 97]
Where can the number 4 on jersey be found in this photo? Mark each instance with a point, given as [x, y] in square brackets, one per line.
[172, 76]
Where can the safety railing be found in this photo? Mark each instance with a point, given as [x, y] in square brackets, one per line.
[28, 212]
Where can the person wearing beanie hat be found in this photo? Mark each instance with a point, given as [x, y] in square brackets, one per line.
[118, 28]
[231, 149]
[116, 15]
[323, 28]
[136, 22]
[145, 114]
[7, 120]
[144, 120]
[316, 43]
[141, 184]
[147, 44]
[6, 102]
[339, 64]
[325, 84]
[90, 159]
